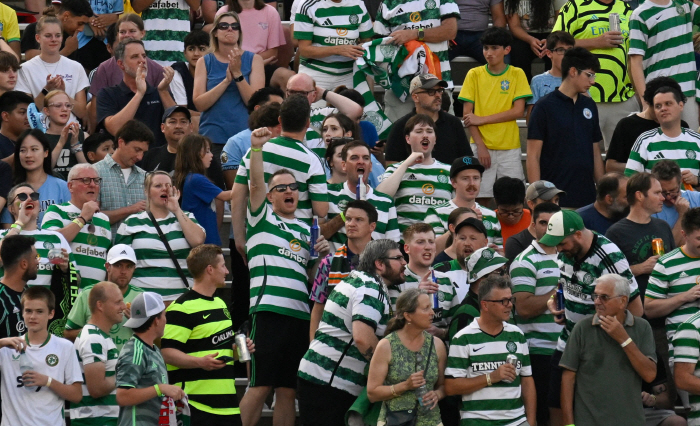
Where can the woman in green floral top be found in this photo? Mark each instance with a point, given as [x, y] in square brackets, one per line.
[408, 358]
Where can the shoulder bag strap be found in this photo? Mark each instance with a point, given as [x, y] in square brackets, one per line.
[170, 251]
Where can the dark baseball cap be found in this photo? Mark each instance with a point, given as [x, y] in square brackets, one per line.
[465, 163]
[474, 223]
[176, 108]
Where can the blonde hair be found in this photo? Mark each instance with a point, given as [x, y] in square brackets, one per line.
[51, 95]
[214, 41]
[49, 17]
[149, 181]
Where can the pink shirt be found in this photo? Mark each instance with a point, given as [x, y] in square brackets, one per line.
[261, 29]
[109, 74]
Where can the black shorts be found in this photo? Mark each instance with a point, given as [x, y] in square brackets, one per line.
[322, 405]
[199, 417]
[554, 398]
[280, 343]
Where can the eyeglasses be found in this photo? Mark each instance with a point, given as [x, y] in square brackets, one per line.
[591, 75]
[505, 302]
[397, 257]
[62, 105]
[87, 180]
[673, 193]
[223, 26]
[560, 50]
[22, 196]
[603, 297]
[299, 92]
[283, 187]
[513, 213]
[499, 271]
[433, 92]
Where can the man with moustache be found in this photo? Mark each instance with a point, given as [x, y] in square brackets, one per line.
[176, 124]
[332, 372]
[120, 266]
[82, 224]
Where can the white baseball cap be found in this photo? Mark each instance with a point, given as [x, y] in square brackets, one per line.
[144, 306]
[120, 252]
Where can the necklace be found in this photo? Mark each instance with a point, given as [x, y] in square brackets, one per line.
[55, 66]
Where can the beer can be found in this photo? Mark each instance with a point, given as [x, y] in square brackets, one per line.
[242, 345]
[512, 360]
[657, 247]
[614, 20]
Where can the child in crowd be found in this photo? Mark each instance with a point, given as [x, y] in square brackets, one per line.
[196, 46]
[558, 43]
[97, 146]
[494, 98]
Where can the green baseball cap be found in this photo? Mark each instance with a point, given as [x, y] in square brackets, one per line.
[482, 262]
[561, 225]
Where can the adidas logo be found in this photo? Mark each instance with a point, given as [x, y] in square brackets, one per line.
[15, 310]
[399, 11]
[327, 22]
[412, 177]
[659, 156]
[683, 275]
[123, 252]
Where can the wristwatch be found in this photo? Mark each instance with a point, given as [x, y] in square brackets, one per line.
[239, 79]
[421, 34]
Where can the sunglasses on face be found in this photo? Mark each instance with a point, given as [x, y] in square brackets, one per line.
[23, 196]
[283, 187]
[223, 26]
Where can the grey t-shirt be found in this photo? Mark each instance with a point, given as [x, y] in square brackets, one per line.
[475, 14]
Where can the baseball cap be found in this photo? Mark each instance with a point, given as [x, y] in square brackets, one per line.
[176, 108]
[542, 189]
[561, 225]
[482, 262]
[425, 81]
[120, 252]
[465, 163]
[474, 223]
[144, 306]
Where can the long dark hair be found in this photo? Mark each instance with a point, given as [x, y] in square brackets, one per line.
[234, 6]
[539, 11]
[189, 158]
[345, 123]
[19, 174]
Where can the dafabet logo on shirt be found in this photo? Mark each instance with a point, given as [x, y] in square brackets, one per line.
[295, 245]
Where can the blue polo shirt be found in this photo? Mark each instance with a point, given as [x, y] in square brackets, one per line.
[111, 100]
[669, 214]
[568, 131]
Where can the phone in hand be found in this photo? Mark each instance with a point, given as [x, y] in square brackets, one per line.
[225, 359]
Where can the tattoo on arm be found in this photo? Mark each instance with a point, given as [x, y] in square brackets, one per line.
[368, 354]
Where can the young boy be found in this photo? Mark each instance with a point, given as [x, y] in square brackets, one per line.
[558, 43]
[420, 181]
[9, 66]
[97, 146]
[38, 395]
[494, 97]
[196, 46]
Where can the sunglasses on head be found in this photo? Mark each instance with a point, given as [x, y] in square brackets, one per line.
[223, 26]
[283, 187]
[23, 196]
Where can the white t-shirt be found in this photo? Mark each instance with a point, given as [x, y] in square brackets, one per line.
[20, 406]
[177, 88]
[126, 172]
[32, 77]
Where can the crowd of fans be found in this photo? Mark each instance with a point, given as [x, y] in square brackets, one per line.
[392, 263]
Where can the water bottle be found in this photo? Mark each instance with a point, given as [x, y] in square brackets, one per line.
[314, 237]
[420, 392]
[361, 189]
[25, 364]
[436, 299]
[560, 300]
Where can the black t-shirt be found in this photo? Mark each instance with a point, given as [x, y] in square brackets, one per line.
[442, 257]
[625, 135]
[634, 240]
[7, 146]
[11, 321]
[67, 159]
[451, 141]
[5, 179]
[518, 243]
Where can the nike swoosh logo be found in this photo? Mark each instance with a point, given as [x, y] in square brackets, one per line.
[478, 349]
[206, 316]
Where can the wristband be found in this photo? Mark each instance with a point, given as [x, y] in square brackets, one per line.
[256, 149]
[323, 96]
[77, 222]
[626, 342]
[16, 226]
[393, 392]
[488, 379]
[342, 216]
[48, 382]
[158, 390]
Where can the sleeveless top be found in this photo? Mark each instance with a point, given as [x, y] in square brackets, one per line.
[401, 366]
[229, 114]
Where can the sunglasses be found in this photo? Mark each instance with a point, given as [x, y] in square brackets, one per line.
[283, 187]
[223, 26]
[23, 196]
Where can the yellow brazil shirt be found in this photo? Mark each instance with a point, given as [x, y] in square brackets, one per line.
[494, 93]
[128, 8]
[8, 23]
[586, 19]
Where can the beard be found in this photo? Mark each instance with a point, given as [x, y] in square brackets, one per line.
[29, 275]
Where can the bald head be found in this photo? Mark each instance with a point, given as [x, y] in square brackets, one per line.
[301, 82]
[101, 292]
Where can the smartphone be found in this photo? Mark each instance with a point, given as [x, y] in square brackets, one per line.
[380, 144]
[225, 359]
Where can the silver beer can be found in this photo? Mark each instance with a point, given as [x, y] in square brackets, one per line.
[512, 360]
[242, 345]
[614, 20]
